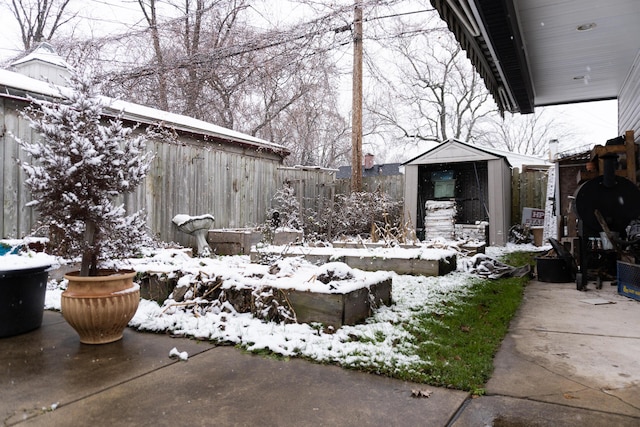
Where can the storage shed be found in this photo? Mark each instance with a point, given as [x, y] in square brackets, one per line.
[477, 180]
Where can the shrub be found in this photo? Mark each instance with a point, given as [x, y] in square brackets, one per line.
[76, 170]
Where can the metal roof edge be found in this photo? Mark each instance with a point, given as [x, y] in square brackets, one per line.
[25, 87]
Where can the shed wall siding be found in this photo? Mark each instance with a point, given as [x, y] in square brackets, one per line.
[411, 194]
[628, 104]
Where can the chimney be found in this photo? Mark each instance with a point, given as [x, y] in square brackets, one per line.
[553, 150]
[368, 161]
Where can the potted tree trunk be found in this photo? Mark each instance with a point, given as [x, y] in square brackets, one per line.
[76, 169]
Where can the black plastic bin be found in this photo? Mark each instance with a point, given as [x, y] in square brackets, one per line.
[553, 270]
[22, 294]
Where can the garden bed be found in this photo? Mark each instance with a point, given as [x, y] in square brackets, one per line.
[333, 309]
[238, 241]
[415, 261]
[287, 290]
[233, 241]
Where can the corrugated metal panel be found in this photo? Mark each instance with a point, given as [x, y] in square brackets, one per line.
[411, 194]
[476, 49]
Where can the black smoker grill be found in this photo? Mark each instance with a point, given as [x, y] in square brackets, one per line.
[618, 201]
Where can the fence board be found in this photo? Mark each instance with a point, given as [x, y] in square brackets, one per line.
[392, 185]
[196, 177]
[529, 190]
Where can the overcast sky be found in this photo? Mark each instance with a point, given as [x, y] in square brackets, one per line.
[592, 123]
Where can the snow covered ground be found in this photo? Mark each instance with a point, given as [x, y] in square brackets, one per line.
[381, 341]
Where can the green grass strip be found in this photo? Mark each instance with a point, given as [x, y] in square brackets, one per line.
[458, 342]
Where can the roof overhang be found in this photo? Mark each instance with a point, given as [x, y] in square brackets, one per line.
[546, 52]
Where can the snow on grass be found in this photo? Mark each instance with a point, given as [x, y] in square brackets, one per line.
[382, 341]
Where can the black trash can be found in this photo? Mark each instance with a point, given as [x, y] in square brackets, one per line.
[22, 294]
[553, 270]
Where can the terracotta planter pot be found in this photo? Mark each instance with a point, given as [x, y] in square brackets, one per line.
[22, 294]
[100, 307]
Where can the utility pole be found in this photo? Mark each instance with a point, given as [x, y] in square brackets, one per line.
[356, 114]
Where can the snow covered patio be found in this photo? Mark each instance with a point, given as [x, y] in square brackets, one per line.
[161, 379]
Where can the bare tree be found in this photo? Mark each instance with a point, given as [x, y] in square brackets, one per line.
[150, 12]
[311, 127]
[192, 26]
[39, 19]
[218, 68]
[204, 58]
[525, 134]
[432, 92]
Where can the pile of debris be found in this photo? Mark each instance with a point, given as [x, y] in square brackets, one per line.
[204, 293]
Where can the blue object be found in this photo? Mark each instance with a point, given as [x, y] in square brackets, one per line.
[8, 249]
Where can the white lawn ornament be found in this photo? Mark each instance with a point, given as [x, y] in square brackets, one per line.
[197, 226]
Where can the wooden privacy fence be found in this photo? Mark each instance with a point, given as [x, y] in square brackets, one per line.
[528, 190]
[191, 178]
[193, 174]
[315, 188]
[392, 185]
[235, 184]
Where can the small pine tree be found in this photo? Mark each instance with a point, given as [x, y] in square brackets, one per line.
[78, 167]
[286, 208]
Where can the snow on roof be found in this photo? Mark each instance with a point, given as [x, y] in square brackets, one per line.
[12, 82]
[516, 160]
[45, 53]
[144, 114]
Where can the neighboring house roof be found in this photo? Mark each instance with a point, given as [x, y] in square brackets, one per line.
[455, 151]
[18, 86]
[533, 53]
[386, 169]
[44, 53]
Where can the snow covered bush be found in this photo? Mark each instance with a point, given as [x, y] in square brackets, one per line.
[285, 210]
[77, 168]
[356, 214]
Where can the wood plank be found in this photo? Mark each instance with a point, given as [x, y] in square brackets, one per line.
[632, 149]
[356, 306]
[381, 293]
[399, 265]
[313, 307]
